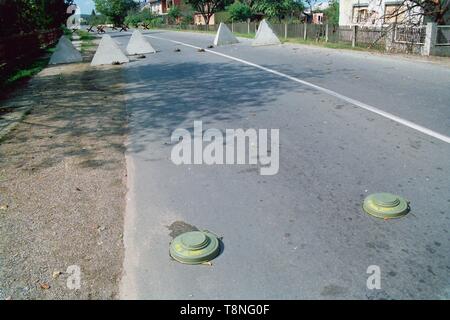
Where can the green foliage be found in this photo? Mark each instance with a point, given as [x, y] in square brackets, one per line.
[27, 71]
[116, 10]
[174, 14]
[136, 17]
[239, 11]
[221, 16]
[207, 7]
[98, 19]
[277, 8]
[28, 15]
[332, 13]
[188, 19]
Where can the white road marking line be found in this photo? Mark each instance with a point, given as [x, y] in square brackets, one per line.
[357, 103]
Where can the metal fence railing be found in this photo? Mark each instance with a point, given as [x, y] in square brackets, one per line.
[443, 36]
[409, 34]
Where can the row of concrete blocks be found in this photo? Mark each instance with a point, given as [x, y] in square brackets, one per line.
[108, 52]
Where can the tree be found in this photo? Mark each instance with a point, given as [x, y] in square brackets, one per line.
[28, 15]
[419, 11]
[174, 13]
[332, 12]
[207, 7]
[277, 8]
[239, 11]
[116, 10]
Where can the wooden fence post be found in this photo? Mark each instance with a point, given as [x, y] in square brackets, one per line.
[304, 31]
[326, 32]
[248, 26]
[285, 30]
[354, 35]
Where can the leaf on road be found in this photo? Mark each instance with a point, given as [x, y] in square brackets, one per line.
[45, 286]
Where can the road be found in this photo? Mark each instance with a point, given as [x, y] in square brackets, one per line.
[299, 234]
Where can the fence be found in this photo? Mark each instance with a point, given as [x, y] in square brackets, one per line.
[409, 34]
[19, 50]
[443, 36]
[317, 32]
[392, 38]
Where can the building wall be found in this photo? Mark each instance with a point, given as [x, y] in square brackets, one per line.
[163, 6]
[371, 13]
[156, 6]
[345, 12]
[199, 20]
[317, 18]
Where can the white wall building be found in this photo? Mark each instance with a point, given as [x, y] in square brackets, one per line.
[375, 13]
[155, 6]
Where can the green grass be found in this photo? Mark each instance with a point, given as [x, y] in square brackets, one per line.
[86, 45]
[334, 45]
[67, 33]
[29, 71]
[84, 35]
[245, 35]
[86, 40]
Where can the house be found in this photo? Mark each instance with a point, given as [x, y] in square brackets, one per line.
[199, 20]
[161, 7]
[376, 13]
[317, 18]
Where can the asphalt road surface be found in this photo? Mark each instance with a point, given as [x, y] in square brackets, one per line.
[300, 233]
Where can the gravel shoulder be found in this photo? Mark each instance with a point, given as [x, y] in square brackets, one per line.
[63, 186]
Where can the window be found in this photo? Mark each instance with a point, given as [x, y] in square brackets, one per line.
[393, 13]
[360, 14]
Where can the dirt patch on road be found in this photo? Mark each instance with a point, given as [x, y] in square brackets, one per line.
[63, 186]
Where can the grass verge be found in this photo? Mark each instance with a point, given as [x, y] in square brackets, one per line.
[86, 40]
[334, 45]
[26, 72]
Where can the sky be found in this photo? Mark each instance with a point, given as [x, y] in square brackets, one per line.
[86, 6]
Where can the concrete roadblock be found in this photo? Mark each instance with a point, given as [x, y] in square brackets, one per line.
[139, 45]
[224, 36]
[65, 53]
[265, 35]
[108, 52]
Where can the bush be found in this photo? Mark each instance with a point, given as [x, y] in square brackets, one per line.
[174, 14]
[135, 17]
[239, 11]
[188, 19]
